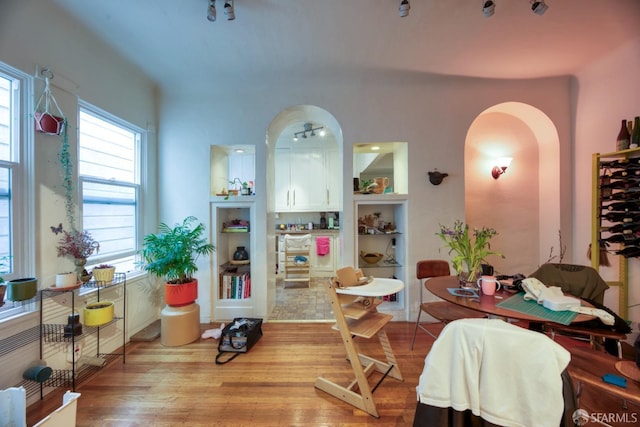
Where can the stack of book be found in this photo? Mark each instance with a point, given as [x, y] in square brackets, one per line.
[235, 285]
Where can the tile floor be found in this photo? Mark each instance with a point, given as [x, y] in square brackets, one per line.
[299, 302]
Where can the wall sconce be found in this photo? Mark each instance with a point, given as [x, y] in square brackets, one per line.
[501, 167]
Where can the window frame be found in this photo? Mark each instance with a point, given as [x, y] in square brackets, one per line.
[22, 191]
[139, 186]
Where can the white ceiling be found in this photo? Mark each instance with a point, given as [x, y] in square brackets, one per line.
[175, 44]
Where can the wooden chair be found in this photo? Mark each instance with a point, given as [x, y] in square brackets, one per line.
[297, 250]
[442, 311]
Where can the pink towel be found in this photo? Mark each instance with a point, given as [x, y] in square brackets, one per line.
[322, 245]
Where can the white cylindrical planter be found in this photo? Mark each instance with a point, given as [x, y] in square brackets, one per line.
[179, 325]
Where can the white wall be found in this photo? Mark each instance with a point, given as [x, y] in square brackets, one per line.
[431, 113]
[35, 33]
[604, 94]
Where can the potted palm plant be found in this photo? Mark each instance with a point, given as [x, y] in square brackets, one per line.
[172, 253]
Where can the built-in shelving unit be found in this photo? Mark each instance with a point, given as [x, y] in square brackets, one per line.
[231, 222]
[382, 221]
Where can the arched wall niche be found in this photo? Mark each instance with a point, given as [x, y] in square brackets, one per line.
[523, 204]
[295, 115]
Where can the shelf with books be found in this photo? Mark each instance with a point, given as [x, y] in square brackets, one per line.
[232, 293]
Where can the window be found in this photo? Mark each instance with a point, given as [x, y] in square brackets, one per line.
[16, 182]
[109, 163]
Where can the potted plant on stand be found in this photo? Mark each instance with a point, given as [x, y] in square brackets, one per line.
[171, 254]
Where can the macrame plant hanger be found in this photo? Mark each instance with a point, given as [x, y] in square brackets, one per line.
[45, 117]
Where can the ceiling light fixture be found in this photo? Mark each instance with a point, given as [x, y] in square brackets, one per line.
[308, 128]
[539, 7]
[489, 8]
[404, 8]
[211, 10]
[229, 10]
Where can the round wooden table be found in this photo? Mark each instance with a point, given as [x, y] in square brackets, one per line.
[485, 303]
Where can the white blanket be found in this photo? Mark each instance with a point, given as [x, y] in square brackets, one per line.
[505, 374]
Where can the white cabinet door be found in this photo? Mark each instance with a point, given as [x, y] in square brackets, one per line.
[307, 180]
[282, 180]
[333, 180]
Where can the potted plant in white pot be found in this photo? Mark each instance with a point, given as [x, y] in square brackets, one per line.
[172, 253]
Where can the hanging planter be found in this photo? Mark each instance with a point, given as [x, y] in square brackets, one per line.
[48, 120]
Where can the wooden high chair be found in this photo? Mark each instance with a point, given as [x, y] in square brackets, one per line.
[356, 316]
[297, 251]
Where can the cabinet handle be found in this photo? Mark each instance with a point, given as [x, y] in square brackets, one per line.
[327, 196]
[294, 197]
[287, 197]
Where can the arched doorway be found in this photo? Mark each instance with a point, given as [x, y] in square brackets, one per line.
[283, 123]
[524, 205]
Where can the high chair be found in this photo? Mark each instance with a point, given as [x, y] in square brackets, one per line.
[357, 317]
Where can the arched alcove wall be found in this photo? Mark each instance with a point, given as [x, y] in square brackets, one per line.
[292, 115]
[523, 205]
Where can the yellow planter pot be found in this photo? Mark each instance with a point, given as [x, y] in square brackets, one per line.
[98, 313]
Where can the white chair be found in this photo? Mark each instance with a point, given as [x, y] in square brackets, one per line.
[297, 250]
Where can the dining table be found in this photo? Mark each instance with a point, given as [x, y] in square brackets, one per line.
[488, 304]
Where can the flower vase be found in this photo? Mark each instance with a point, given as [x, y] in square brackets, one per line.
[240, 254]
[79, 263]
[468, 280]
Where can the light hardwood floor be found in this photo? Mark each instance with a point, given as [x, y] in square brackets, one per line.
[272, 385]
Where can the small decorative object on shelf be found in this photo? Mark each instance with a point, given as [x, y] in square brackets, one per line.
[468, 256]
[371, 258]
[241, 254]
[236, 226]
[73, 326]
[66, 280]
[622, 141]
[104, 273]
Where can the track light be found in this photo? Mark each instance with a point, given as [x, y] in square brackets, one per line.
[308, 128]
[489, 8]
[229, 10]
[211, 11]
[539, 7]
[404, 8]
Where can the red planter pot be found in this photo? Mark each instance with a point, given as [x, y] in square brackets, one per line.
[49, 124]
[182, 294]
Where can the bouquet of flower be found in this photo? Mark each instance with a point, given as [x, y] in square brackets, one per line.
[78, 244]
[467, 253]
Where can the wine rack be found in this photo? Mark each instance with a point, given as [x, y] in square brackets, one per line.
[616, 214]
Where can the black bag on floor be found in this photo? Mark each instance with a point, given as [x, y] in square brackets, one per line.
[238, 337]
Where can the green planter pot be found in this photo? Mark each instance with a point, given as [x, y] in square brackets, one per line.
[22, 289]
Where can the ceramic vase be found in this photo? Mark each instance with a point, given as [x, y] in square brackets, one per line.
[240, 254]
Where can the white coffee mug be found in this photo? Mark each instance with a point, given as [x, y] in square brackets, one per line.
[489, 285]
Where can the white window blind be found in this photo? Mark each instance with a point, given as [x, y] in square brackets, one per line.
[109, 169]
